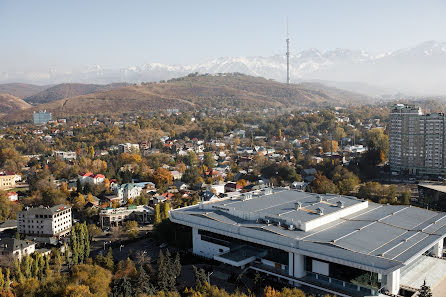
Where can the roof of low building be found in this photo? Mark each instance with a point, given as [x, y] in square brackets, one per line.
[13, 244]
[378, 237]
[46, 210]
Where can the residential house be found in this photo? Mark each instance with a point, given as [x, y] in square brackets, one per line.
[90, 178]
[12, 249]
[12, 196]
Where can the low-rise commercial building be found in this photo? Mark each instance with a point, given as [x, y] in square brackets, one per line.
[110, 217]
[340, 241]
[67, 156]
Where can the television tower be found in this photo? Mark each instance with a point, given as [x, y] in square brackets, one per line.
[287, 55]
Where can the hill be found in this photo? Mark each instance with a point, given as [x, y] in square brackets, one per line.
[21, 90]
[68, 90]
[201, 91]
[10, 104]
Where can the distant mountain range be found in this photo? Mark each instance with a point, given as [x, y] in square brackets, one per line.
[419, 70]
[196, 92]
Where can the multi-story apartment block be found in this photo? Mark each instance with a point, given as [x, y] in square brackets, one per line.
[416, 141]
[42, 221]
[41, 117]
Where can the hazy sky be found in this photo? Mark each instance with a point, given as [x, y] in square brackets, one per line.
[39, 35]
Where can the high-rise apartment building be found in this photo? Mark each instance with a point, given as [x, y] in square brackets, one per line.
[416, 141]
[41, 117]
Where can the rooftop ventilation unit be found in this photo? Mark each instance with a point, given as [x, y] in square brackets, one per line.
[320, 211]
[267, 191]
[246, 196]
[340, 204]
[298, 205]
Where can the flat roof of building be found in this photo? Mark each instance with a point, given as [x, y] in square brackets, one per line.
[374, 236]
[439, 188]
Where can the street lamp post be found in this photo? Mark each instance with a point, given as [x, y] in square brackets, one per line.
[106, 242]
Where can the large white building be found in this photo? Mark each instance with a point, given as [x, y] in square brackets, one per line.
[417, 141]
[42, 221]
[340, 242]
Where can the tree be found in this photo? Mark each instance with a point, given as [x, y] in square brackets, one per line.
[162, 273]
[162, 176]
[270, 292]
[96, 278]
[180, 167]
[165, 207]
[328, 146]
[209, 160]
[200, 278]
[425, 290]
[125, 268]
[405, 197]
[157, 216]
[192, 176]
[177, 265]
[73, 290]
[322, 185]
[94, 231]
[57, 260]
[79, 201]
[131, 228]
[144, 286]
[378, 146]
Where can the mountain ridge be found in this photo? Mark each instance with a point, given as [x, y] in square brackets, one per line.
[197, 92]
[416, 70]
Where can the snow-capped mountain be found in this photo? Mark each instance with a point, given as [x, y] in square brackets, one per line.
[416, 70]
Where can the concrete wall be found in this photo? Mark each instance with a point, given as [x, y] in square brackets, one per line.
[393, 282]
[204, 248]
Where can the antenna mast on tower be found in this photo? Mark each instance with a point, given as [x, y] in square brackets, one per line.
[287, 54]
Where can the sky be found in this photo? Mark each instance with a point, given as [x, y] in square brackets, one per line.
[42, 35]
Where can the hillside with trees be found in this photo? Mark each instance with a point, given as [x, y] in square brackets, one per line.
[195, 92]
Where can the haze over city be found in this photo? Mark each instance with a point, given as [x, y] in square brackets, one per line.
[109, 41]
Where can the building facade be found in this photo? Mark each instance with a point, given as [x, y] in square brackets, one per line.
[42, 221]
[416, 141]
[128, 147]
[338, 241]
[41, 117]
[7, 181]
[115, 216]
[67, 156]
[12, 249]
